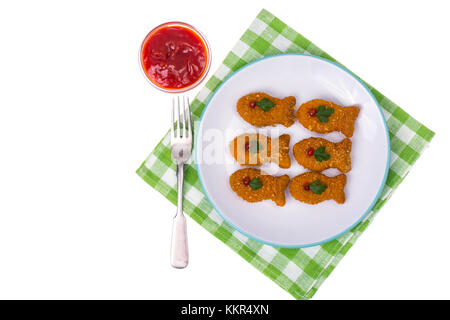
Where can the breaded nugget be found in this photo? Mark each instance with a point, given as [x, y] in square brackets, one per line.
[314, 187]
[252, 185]
[254, 149]
[261, 109]
[325, 116]
[319, 154]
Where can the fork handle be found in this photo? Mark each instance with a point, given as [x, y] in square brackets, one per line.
[179, 256]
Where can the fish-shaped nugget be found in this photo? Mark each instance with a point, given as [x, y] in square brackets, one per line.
[314, 187]
[325, 116]
[254, 149]
[261, 109]
[319, 154]
[253, 185]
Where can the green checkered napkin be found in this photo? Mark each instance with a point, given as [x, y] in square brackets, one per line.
[299, 271]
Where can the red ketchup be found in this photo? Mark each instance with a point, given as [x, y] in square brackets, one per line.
[175, 57]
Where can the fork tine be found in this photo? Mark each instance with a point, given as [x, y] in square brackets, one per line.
[178, 135]
[188, 112]
[182, 116]
[185, 132]
[172, 130]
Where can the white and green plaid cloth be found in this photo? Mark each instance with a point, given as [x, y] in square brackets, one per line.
[299, 271]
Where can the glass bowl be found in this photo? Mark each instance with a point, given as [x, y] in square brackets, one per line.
[193, 30]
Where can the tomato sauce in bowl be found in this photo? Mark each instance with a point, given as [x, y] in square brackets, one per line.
[175, 57]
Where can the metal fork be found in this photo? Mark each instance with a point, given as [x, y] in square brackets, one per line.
[181, 146]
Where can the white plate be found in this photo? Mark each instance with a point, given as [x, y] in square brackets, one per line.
[296, 224]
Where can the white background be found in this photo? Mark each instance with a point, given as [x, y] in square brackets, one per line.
[77, 118]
